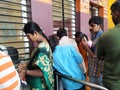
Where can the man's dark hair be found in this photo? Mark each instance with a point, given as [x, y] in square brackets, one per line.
[96, 20]
[115, 6]
[61, 32]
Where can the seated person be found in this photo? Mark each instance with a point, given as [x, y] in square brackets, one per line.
[66, 61]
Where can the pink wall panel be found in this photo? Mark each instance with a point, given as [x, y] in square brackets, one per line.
[84, 26]
[42, 14]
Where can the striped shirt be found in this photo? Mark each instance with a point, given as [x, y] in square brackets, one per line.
[9, 78]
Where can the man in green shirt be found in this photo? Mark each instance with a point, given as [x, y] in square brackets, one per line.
[108, 49]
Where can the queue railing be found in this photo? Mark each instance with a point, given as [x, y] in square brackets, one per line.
[59, 75]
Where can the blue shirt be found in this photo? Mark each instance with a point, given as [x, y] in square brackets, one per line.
[94, 40]
[67, 61]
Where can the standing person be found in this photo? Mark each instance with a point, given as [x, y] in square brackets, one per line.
[66, 61]
[94, 65]
[81, 37]
[38, 72]
[108, 49]
[65, 40]
[9, 78]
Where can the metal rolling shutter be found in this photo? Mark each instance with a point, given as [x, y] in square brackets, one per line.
[13, 15]
[94, 11]
[64, 16]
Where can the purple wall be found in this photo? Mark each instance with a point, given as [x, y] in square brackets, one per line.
[84, 18]
[42, 14]
[82, 22]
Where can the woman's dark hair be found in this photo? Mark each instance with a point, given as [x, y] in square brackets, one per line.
[53, 41]
[31, 27]
[80, 35]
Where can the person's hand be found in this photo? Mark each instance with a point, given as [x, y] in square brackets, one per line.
[22, 74]
[22, 66]
[89, 43]
[87, 48]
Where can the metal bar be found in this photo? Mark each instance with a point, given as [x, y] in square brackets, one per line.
[14, 3]
[24, 53]
[14, 9]
[20, 48]
[19, 54]
[60, 13]
[56, 11]
[25, 59]
[57, 6]
[12, 22]
[63, 14]
[65, 5]
[14, 42]
[56, 1]
[69, 13]
[12, 35]
[68, 9]
[69, 5]
[68, 26]
[72, 1]
[57, 16]
[57, 86]
[82, 82]
[14, 16]
[10, 29]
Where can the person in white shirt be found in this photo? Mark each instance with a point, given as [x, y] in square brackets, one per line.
[64, 39]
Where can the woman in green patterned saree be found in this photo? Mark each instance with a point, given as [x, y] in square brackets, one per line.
[38, 72]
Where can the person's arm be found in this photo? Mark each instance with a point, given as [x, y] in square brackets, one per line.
[87, 48]
[22, 69]
[36, 73]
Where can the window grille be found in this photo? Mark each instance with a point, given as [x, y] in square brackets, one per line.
[94, 11]
[64, 16]
[13, 15]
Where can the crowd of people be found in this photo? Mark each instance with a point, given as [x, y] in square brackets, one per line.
[94, 59]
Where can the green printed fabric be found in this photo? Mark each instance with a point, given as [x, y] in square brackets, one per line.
[43, 60]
